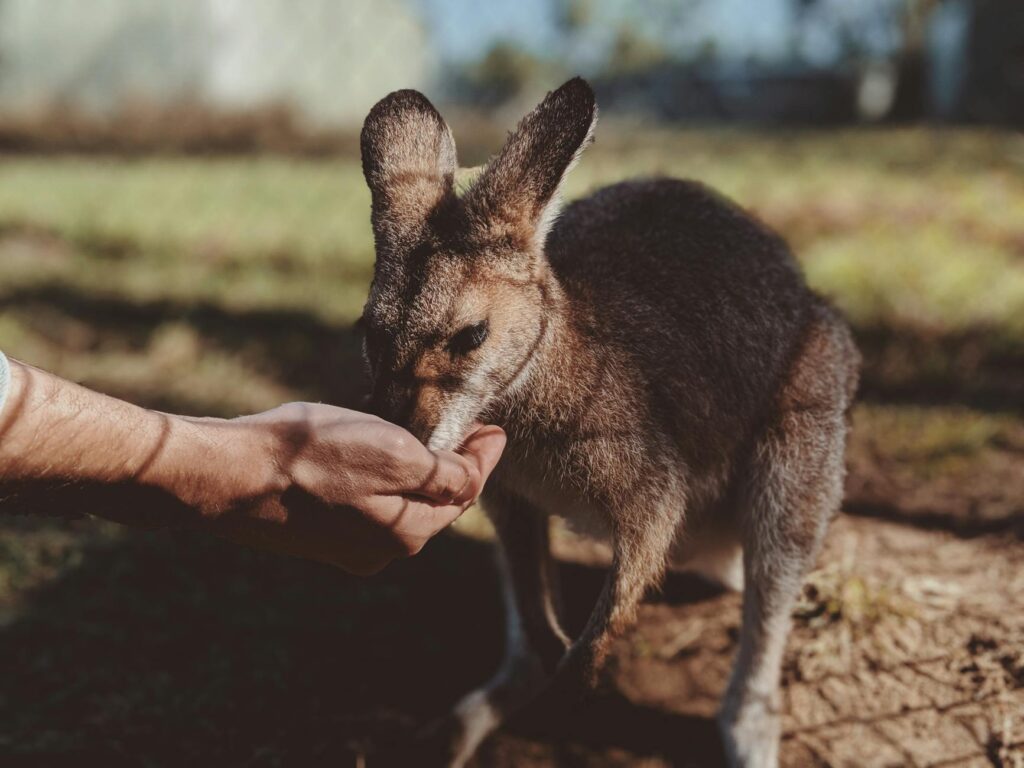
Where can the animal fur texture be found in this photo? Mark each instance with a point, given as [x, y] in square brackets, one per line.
[665, 376]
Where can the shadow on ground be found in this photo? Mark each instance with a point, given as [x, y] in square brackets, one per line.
[296, 348]
[166, 648]
[324, 361]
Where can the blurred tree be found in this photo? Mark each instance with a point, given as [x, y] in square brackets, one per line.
[632, 51]
[836, 32]
[915, 23]
[571, 16]
[505, 72]
[627, 36]
[707, 51]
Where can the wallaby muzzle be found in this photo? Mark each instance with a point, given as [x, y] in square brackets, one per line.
[402, 404]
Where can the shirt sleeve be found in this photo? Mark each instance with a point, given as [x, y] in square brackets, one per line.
[5, 380]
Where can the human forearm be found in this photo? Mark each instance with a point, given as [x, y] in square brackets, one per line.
[67, 450]
[304, 479]
[52, 427]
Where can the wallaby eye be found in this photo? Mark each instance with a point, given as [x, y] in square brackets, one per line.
[469, 338]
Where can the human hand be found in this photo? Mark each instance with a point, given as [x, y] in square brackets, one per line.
[310, 480]
[336, 485]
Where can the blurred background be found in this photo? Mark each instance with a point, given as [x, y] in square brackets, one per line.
[184, 224]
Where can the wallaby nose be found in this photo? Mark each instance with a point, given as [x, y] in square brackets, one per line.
[397, 403]
[389, 401]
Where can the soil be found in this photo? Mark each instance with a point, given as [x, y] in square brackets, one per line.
[907, 651]
[166, 648]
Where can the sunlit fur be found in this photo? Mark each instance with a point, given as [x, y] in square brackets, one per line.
[666, 379]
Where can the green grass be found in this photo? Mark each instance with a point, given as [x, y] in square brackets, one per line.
[935, 442]
[119, 272]
[244, 233]
[312, 211]
[915, 232]
[918, 234]
[923, 229]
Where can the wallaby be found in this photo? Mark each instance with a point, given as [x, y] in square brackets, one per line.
[665, 377]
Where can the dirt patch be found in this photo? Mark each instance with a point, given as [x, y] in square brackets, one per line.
[905, 652]
[949, 468]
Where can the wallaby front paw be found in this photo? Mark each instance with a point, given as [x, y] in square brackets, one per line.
[750, 735]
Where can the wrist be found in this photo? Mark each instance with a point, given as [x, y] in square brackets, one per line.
[216, 466]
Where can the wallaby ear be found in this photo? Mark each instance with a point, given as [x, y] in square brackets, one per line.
[409, 163]
[521, 184]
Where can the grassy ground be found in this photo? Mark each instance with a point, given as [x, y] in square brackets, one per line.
[228, 285]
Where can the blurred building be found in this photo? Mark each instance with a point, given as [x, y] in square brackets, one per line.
[327, 60]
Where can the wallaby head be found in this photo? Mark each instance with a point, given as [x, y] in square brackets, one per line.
[459, 300]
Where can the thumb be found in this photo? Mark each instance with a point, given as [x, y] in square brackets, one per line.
[484, 448]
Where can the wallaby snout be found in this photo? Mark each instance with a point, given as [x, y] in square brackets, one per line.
[467, 345]
[403, 404]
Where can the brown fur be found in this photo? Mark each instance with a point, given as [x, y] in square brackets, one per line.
[657, 360]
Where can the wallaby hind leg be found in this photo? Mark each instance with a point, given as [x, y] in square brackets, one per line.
[535, 641]
[795, 487]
